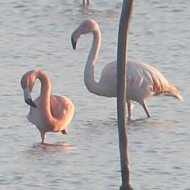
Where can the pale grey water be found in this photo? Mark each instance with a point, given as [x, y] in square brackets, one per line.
[36, 35]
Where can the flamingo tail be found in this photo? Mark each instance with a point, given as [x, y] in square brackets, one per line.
[174, 92]
[171, 91]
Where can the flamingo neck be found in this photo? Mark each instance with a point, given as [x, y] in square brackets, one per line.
[45, 94]
[89, 80]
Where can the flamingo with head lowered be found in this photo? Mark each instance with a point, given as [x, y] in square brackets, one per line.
[143, 80]
[50, 113]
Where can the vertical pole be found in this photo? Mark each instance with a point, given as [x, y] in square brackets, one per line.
[125, 17]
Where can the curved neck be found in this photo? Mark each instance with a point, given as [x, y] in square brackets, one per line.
[45, 94]
[89, 80]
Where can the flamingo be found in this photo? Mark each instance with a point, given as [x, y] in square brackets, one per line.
[143, 80]
[50, 113]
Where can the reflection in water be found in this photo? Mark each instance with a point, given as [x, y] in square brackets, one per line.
[152, 122]
[47, 146]
[59, 147]
[48, 153]
[35, 34]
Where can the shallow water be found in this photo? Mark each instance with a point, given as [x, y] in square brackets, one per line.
[36, 35]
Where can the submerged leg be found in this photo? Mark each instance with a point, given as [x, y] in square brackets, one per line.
[146, 110]
[85, 2]
[43, 136]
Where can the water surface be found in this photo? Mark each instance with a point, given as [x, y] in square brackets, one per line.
[36, 35]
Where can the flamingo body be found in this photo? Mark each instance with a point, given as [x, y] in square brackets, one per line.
[143, 80]
[50, 113]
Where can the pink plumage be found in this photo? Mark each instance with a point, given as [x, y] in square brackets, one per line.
[50, 113]
[143, 80]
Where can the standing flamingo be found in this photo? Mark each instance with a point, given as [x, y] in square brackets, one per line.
[142, 80]
[50, 113]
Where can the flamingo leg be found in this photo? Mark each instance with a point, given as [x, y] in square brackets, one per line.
[86, 2]
[146, 109]
[129, 110]
[43, 135]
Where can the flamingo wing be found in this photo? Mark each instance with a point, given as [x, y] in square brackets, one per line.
[60, 106]
[150, 79]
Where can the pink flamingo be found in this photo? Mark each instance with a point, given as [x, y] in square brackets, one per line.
[50, 113]
[142, 80]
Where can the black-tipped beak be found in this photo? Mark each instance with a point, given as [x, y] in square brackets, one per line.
[27, 98]
[74, 44]
[30, 102]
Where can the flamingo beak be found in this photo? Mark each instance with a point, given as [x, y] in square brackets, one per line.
[74, 43]
[28, 98]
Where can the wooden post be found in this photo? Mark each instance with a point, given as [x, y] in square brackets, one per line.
[125, 17]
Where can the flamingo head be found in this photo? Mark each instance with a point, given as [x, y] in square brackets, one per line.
[27, 83]
[87, 26]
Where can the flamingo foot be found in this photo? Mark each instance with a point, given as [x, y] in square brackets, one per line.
[64, 131]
